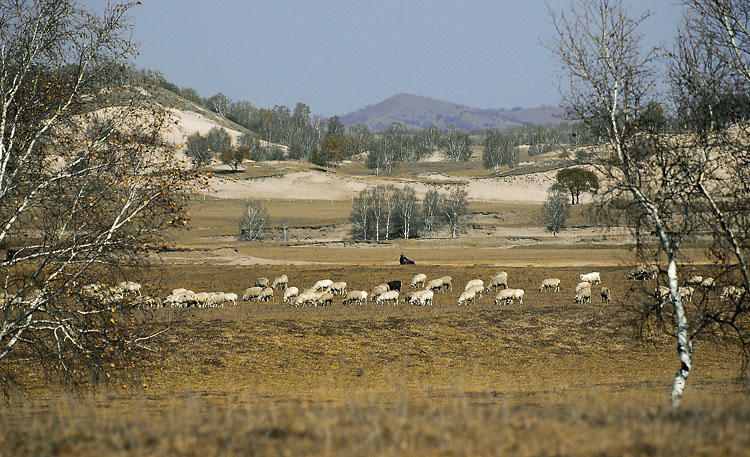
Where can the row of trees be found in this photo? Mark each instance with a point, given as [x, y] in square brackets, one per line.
[386, 212]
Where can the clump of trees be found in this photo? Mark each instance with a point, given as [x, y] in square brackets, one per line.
[253, 221]
[577, 180]
[387, 212]
[500, 149]
[556, 209]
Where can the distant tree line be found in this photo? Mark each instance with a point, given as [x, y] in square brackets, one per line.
[386, 212]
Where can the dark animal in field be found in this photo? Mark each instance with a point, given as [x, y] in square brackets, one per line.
[394, 285]
[405, 260]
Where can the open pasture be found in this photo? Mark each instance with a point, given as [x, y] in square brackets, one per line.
[549, 377]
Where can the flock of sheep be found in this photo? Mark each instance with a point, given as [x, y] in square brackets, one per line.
[421, 292]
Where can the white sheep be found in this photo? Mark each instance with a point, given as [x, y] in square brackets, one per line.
[686, 293]
[215, 300]
[130, 287]
[550, 284]
[708, 284]
[418, 280]
[290, 294]
[472, 283]
[280, 282]
[422, 298]
[434, 285]
[592, 278]
[338, 288]
[201, 298]
[694, 280]
[390, 296]
[499, 280]
[266, 294]
[306, 298]
[324, 299]
[583, 285]
[323, 284]
[252, 293]
[262, 282]
[447, 282]
[355, 296]
[477, 289]
[505, 296]
[467, 297]
[583, 295]
[378, 290]
[231, 297]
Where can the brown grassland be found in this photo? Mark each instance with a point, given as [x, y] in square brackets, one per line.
[548, 377]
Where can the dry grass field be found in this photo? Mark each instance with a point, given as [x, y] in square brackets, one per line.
[548, 377]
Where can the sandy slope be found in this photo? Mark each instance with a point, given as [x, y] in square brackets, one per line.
[317, 185]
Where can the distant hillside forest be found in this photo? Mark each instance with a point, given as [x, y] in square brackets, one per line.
[327, 141]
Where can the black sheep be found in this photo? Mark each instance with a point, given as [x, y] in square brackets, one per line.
[394, 285]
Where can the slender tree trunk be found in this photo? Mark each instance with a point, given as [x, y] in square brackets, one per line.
[684, 342]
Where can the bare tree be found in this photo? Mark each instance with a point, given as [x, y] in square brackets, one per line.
[457, 144]
[360, 215]
[556, 209]
[431, 205]
[390, 203]
[253, 221]
[84, 191]
[454, 210]
[669, 185]
[407, 209]
[284, 229]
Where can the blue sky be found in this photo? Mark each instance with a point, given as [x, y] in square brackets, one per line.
[340, 55]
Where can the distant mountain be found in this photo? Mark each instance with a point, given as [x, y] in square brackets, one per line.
[415, 111]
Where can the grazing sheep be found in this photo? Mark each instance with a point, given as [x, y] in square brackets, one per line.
[338, 288]
[355, 296]
[418, 280]
[290, 294]
[447, 282]
[472, 283]
[378, 290]
[174, 291]
[130, 287]
[407, 296]
[583, 285]
[324, 299]
[606, 295]
[708, 284]
[434, 285]
[266, 294]
[394, 285]
[686, 293]
[323, 284]
[592, 278]
[498, 281]
[694, 280]
[390, 296]
[477, 289]
[251, 293]
[215, 300]
[583, 295]
[262, 282]
[550, 284]
[231, 298]
[467, 297]
[305, 299]
[505, 296]
[422, 298]
[280, 282]
[201, 298]
[643, 272]
[663, 294]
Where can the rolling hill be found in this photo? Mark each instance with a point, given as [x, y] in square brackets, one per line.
[415, 111]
